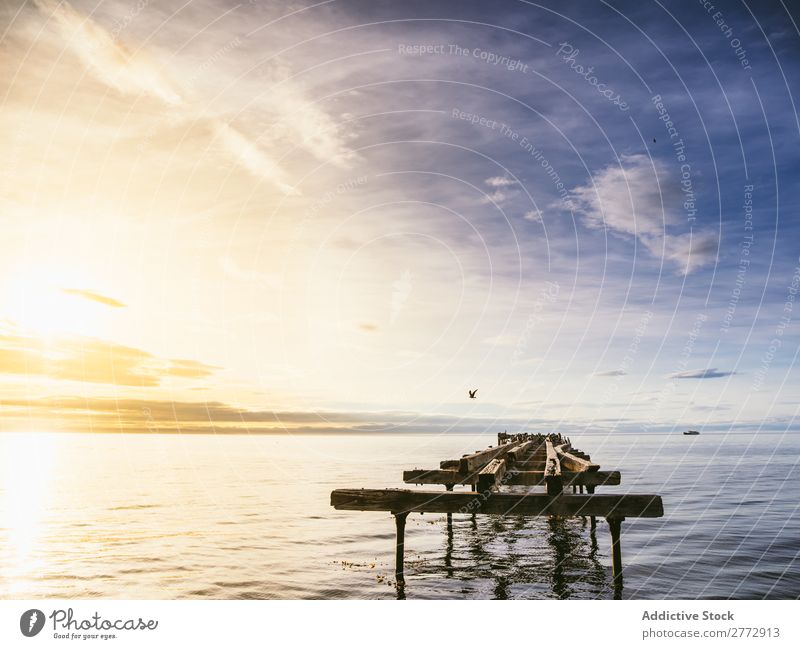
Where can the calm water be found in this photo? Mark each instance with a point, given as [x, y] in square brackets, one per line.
[160, 516]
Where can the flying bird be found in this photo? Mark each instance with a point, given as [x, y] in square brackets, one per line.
[472, 393]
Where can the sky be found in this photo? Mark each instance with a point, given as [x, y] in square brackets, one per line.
[257, 216]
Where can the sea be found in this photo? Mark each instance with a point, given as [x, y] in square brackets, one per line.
[248, 516]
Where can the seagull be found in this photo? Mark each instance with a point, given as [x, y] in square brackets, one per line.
[472, 393]
[654, 140]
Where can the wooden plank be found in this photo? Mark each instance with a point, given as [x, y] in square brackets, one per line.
[530, 465]
[575, 463]
[512, 477]
[552, 471]
[568, 478]
[519, 453]
[407, 500]
[449, 464]
[477, 460]
[436, 476]
[491, 476]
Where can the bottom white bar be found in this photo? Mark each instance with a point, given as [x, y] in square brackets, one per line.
[390, 624]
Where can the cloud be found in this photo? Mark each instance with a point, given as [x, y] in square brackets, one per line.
[502, 340]
[106, 414]
[187, 369]
[711, 373]
[94, 297]
[688, 251]
[534, 216]
[611, 373]
[251, 157]
[111, 61]
[303, 121]
[136, 73]
[232, 269]
[91, 360]
[504, 189]
[500, 181]
[638, 198]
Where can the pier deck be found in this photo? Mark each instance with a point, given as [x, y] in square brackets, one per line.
[495, 476]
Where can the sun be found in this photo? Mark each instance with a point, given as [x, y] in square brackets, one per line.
[37, 302]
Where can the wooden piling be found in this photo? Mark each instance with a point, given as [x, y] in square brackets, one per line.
[400, 522]
[592, 519]
[615, 526]
[449, 487]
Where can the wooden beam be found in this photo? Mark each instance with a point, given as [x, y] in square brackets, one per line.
[519, 453]
[449, 464]
[512, 477]
[491, 476]
[568, 478]
[436, 476]
[474, 462]
[530, 465]
[552, 471]
[407, 500]
[573, 462]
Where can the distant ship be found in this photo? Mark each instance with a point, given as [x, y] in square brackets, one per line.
[691, 432]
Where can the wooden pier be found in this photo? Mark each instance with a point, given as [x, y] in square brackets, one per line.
[502, 480]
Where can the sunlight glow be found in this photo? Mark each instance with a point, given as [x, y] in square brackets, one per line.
[29, 459]
[37, 302]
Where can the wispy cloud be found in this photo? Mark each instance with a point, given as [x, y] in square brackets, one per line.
[135, 72]
[611, 373]
[82, 359]
[502, 340]
[711, 373]
[251, 157]
[233, 269]
[138, 415]
[638, 198]
[305, 122]
[503, 189]
[500, 181]
[129, 71]
[94, 297]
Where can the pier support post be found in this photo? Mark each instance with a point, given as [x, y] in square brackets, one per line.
[400, 522]
[449, 487]
[592, 519]
[615, 525]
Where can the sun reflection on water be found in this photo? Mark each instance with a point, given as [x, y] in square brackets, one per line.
[28, 461]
